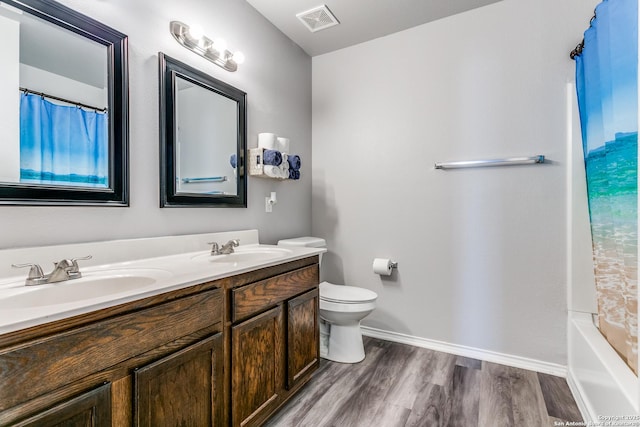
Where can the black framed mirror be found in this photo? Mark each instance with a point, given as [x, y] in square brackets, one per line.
[65, 117]
[202, 139]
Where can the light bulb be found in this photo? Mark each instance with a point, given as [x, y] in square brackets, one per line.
[220, 45]
[204, 43]
[238, 57]
[196, 32]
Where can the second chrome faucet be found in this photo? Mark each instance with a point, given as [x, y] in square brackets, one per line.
[225, 249]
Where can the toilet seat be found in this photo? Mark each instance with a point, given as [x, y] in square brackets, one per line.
[346, 294]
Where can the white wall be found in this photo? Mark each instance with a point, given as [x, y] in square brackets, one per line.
[277, 79]
[482, 253]
[10, 96]
[39, 80]
[207, 134]
[581, 282]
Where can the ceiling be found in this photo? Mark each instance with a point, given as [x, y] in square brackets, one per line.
[360, 20]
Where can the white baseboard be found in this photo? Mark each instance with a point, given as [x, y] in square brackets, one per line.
[475, 353]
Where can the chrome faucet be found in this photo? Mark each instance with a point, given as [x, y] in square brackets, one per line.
[215, 250]
[225, 249]
[66, 269]
[36, 275]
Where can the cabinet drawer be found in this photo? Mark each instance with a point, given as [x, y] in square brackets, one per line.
[34, 368]
[258, 296]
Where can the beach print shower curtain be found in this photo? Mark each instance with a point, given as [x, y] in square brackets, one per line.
[607, 85]
[62, 144]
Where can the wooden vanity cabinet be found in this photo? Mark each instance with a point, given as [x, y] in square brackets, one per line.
[181, 389]
[86, 370]
[91, 409]
[257, 367]
[228, 352]
[274, 342]
[303, 340]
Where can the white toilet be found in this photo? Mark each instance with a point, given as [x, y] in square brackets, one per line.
[341, 310]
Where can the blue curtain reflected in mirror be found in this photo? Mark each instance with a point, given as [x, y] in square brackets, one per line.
[62, 145]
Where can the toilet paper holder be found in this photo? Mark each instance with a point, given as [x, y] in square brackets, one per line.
[384, 266]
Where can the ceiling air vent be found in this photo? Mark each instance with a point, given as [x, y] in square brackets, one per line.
[318, 18]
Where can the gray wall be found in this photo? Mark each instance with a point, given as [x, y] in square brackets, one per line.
[277, 79]
[482, 252]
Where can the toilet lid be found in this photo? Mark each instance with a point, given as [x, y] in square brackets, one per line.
[345, 294]
[309, 242]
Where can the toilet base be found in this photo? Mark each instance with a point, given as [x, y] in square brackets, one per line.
[345, 343]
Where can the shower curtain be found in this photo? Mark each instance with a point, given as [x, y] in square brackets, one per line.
[62, 144]
[607, 85]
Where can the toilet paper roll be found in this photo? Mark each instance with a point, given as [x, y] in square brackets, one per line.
[382, 266]
[283, 145]
[268, 141]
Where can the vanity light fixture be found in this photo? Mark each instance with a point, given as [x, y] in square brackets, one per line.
[215, 51]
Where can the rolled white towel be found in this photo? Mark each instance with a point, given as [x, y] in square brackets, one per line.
[283, 144]
[268, 141]
[284, 167]
[272, 171]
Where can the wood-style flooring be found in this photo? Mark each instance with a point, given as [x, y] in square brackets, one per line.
[399, 385]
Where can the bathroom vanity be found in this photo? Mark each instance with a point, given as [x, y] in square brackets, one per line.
[228, 349]
[274, 339]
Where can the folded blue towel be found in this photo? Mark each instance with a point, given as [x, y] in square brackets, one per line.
[294, 174]
[272, 158]
[233, 161]
[294, 161]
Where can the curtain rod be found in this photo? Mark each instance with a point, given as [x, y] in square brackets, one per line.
[57, 98]
[578, 50]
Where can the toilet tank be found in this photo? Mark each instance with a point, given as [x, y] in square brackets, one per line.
[307, 242]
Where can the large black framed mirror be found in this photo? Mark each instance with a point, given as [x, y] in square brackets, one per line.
[64, 111]
[202, 139]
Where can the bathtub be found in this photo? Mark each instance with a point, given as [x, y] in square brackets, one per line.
[603, 385]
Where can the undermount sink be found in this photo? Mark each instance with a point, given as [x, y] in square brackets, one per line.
[244, 255]
[95, 284]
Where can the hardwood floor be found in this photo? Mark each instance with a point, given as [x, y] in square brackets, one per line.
[399, 386]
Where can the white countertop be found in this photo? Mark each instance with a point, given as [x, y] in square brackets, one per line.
[157, 275]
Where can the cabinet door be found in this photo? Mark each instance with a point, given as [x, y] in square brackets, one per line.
[182, 389]
[257, 367]
[92, 409]
[303, 346]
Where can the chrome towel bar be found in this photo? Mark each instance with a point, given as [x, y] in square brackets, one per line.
[205, 179]
[491, 162]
